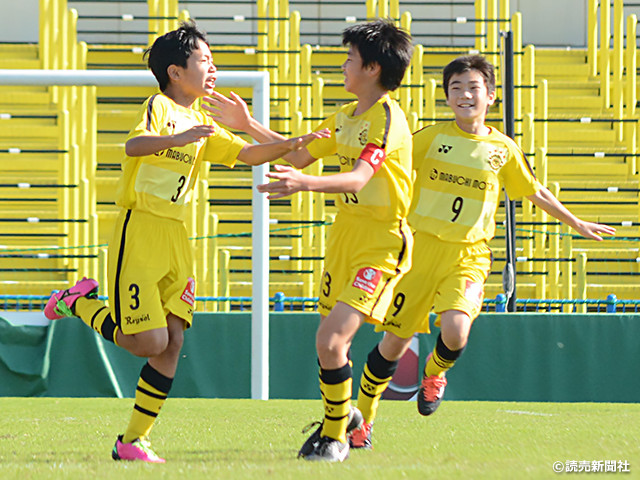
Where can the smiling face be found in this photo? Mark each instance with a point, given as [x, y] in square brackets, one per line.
[353, 71]
[468, 97]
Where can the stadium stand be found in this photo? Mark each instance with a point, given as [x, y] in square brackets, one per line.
[45, 155]
[575, 110]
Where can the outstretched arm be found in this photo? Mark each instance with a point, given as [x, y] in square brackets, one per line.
[233, 112]
[550, 204]
[289, 181]
[266, 152]
[149, 144]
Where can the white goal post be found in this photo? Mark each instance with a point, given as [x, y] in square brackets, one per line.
[259, 82]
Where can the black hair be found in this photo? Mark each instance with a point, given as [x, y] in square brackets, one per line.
[173, 48]
[381, 42]
[465, 64]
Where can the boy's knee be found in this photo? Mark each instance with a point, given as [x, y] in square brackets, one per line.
[176, 340]
[324, 348]
[175, 329]
[455, 339]
[393, 347]
[151, 343]
[330, 353]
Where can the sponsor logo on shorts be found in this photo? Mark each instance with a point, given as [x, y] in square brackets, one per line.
[367, 279]
[391, 323]
[324, 305]
[189, 294]
[137, 320]
[474, 292]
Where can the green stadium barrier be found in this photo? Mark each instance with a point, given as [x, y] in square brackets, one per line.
[521, 357]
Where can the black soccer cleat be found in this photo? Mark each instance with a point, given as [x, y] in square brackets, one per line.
[355, 421]
[329, 450]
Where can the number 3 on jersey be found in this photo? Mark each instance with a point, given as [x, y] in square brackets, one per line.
[350, 198]
[181, 182]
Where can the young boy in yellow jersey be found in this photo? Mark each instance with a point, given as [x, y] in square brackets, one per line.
[369, 246]
[461, 167]
[150, 266]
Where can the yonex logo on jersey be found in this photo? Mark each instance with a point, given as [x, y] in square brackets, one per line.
[445, 148]
[171, 124]
[367, 279]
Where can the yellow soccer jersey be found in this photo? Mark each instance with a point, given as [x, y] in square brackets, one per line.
[382, 137]
[163, 183]
[459, 180]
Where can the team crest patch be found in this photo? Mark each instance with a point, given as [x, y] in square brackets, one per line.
[497, 158]
[367, 279]
[363, 135]
[189, 294]
[474, 292]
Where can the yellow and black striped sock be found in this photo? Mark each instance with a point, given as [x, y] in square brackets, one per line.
[98, 316]
[442, 359]
[336, 388]
[375, 378]
[151, 393]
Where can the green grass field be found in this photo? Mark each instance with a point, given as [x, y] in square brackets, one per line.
[66, 438]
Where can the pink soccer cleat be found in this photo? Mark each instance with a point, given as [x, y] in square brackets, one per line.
[139, 449]
[61, 303]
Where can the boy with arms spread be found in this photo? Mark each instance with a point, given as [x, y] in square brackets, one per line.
[453, 221]
[369, 246]
[150, 266]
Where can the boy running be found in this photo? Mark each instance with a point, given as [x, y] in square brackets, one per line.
[150, 266]
[369, 246]
[461, 167]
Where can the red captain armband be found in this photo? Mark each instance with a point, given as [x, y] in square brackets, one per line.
[373, 155]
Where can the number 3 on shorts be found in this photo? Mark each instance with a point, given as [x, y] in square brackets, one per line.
[326, 289]
[135, 296]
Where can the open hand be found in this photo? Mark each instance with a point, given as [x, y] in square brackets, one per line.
[194, 134]
[300, 142]
[593, 230]
[232, 112]
[288, 181]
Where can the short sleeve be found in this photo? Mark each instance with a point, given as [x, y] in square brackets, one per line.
[149, 118]
[517, 176]
[323, 147]
[223, 147]
[421, 143]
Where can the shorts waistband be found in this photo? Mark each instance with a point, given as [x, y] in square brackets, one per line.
[151, 216]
